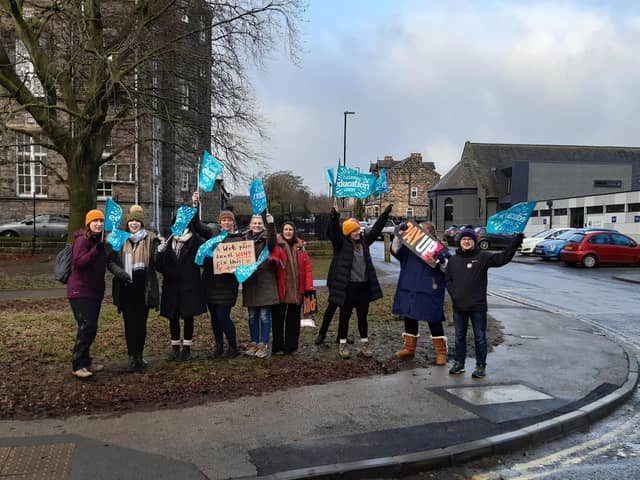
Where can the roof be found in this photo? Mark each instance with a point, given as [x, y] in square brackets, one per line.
[478, 160]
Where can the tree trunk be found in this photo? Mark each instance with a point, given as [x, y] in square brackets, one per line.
[81, 185]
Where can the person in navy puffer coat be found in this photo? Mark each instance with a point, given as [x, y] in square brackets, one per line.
[419, 297]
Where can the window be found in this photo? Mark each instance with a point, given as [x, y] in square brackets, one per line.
[607, 183]
[414, 192]
[559, 212]
[185, 99]
[185, 182]
[32, 175]
[409, 212]
[184, 16]
[535, 213]
[599, 239]
[508, 185]
[203, 31]
[621, 240]
[545, 213]
[633, 207]
[615, 208]
[105, 190]
[595, 209]
[448, 210]
[25, 70]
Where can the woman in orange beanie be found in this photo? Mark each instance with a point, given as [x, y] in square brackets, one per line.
[85, 290]
[353, 279]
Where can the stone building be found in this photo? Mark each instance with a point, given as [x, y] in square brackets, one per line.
[492, 177]
[155, 174]
[408, 181]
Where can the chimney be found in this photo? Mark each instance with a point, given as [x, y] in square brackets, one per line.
[388, 158]
[417, 155]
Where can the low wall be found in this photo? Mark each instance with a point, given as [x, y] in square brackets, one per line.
[26, 245]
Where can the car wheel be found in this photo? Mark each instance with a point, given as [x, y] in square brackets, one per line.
[589, 261]
[9, 233]
[483, 245]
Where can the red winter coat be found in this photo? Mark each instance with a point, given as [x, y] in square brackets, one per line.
[305, 275]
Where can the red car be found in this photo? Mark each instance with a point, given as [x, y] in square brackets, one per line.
[594, 248]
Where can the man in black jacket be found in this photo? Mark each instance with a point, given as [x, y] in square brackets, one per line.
[466, 277]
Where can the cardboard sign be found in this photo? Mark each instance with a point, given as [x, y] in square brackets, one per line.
[420, 242]
[228, 256]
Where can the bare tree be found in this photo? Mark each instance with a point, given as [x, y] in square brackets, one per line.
[81, 69]
[286, 192]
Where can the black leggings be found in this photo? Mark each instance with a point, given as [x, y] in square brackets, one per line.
[328, 316]
[86, 312]
[285, 323]
[174, 327]
[357, 297]
[411, 326]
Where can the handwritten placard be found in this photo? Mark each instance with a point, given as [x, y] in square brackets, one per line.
[227, 256]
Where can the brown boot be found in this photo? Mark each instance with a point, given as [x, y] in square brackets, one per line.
[440, 346]
[409, 350]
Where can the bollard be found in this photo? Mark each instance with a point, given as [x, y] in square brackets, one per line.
[387, 249]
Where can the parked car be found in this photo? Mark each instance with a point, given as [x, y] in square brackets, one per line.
[529, 243]
[492, 240]
[456, 237]
[594, 248]
[47, 225]
[450, 233]
[550, 249]
[389, 227]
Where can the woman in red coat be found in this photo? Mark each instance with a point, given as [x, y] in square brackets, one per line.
[295, 279]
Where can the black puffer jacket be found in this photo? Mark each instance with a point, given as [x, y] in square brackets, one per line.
[221, 289]
[340, 270]
[466, 275]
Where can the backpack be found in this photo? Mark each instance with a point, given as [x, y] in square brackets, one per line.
[62, 266]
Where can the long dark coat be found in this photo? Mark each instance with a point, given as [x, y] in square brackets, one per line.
[221, 289]
[182, 290]
[261, 288]
[343, 247]
[420, 291]
[151, 286]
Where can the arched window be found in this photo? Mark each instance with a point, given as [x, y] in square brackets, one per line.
[448, 209]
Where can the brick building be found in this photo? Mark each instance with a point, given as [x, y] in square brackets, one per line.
[408, 180]
[155, 174]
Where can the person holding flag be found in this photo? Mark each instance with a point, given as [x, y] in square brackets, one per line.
[182, 290]
[260, 290]
[221, 289]
[135, 287]
[466, 278]
[354, 283]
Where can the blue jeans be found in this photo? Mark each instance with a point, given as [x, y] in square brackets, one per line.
[259, 324]
[479, 325]
[222, 325]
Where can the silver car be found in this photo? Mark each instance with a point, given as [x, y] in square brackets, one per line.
[47, 225]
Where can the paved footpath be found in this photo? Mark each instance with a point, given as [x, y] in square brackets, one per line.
[551, 375]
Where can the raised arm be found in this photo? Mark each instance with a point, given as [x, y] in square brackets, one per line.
[502, 258]
[375, 231]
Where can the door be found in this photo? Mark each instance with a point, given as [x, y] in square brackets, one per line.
[624, 249]
[577, 217]
[603, 247]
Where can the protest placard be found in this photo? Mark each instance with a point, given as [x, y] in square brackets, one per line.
[228, 256]
[420, 242]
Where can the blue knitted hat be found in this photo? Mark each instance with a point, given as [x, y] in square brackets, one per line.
[467, 232]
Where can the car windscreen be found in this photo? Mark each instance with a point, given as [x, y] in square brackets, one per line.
[542, 233]
[566, 235]
[576, 237]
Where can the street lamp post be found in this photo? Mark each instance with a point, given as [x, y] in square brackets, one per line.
[344, 144]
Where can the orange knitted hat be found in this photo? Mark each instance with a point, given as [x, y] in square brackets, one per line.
[93, 215]
[349, 226]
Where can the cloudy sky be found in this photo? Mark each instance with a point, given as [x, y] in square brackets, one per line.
[426, 76]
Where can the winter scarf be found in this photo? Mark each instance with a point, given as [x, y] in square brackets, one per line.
[135, 252]
[178, 242]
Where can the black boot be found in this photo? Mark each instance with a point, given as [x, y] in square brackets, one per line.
[132, 366]
[319, 339]
[142, 363]
[216, 352]
[186, 353]
[174, 354]
[231, 352]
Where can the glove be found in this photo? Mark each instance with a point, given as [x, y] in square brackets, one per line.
[402, 227]
[163, 245]
[518, 238]
[388, 209]
[440, 257]
[269, 218]
[124, 277]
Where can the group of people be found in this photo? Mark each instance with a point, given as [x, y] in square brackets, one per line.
[275, 292]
